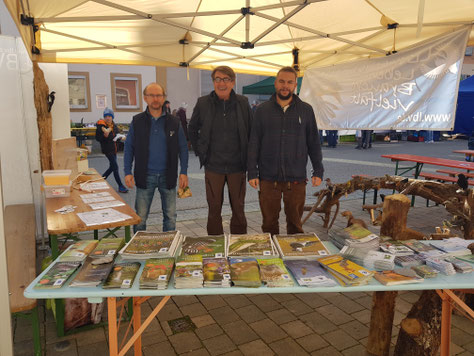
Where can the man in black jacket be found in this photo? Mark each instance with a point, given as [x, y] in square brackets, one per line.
[155, 141]
[219, 131]
[284, 133]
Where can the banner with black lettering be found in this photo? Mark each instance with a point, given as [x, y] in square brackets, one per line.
[411, 90]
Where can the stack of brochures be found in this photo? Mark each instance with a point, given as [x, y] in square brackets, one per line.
[57, 275]
[423, 249]
[425, 271]
[396, 247]
[396, 277]
[466, 258]
[346, 272]
[355, 236]
[122, 276]
[409, 260]
[300, 245]
[273, 273]
[188, 272]
[460, 266]
[309, 273]
[216, 272]
[78, 251]
[146, 244]
[441, 265]
[244, 272]
[374, 260]
[206, 246]
[156, 273]
[91, 274]
[453, 246]
[257, 245]
[106, 249]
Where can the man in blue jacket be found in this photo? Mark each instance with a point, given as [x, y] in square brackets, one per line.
[155, 140]
[283, 135]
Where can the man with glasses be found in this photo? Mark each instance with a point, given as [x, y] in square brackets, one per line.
[284, 134]
[219, 131]
[155, 140]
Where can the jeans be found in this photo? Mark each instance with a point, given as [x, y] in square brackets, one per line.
[332, 138]
[144, 199]
[113, 167]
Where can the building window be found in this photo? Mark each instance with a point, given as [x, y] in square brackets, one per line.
[79, 91]
[126, 92]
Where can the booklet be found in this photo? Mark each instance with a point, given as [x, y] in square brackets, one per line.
[145, 244]
[78, 251]
[206, 246]
[274, 273]
[122, 275]
[91, 275]
[309, 273]
[216, 272]
[57, 275]
[300, 245]
[244, 272]
[156, 273]
[251, 245]
[396, 277]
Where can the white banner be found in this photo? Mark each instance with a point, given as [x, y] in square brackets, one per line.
[411, 90]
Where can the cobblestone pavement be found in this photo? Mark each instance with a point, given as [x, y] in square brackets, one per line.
[267, 324]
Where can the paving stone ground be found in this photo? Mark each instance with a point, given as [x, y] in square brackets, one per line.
[287, 324]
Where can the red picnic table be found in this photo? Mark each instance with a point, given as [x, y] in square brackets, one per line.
[468, 153]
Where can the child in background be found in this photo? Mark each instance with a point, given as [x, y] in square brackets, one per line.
[105, 134]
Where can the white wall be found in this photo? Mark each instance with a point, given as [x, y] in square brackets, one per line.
[99, 77]
[55, 75]
[7, 25]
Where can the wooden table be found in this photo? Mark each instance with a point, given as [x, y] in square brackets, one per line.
[66, 224]
[468, 153]
[118, 298]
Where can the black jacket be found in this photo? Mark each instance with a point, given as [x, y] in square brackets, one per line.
[141, 130]
[201, 124]
[107, 143]
[280, 142]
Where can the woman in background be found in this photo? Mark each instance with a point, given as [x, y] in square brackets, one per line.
[105, 134]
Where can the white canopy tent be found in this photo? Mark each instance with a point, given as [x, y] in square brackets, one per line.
[253, 36]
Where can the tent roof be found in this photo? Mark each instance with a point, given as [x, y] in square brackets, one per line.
[467, 85]
[265, 87]
[253, 36]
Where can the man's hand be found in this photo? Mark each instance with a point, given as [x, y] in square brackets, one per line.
[183, 181]
[315, 181]
[254, 183]
[129, 181]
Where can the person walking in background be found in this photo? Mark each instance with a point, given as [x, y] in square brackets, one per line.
[332, 138]
[367, 139]
[167, 107]
[358, 137]
[155, 141]
[181, 114]
[105, 133]
[284, 134]
[219, 130]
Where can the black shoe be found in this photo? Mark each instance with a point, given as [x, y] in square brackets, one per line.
[370, 146]
[357, 147]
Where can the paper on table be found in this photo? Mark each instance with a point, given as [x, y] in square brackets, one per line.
[106, 204]
[94, 186]
[96, 197]
[104, 216]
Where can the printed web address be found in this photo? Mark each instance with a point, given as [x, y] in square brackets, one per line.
[420, 117]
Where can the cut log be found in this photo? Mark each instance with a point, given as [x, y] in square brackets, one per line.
[394, 217]
[381, 321]
[420, 331]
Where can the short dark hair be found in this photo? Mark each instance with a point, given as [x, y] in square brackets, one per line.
[226, 70]
[288, 70]
[162, 89]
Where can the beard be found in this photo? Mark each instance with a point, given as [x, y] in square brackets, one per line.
[284, 97]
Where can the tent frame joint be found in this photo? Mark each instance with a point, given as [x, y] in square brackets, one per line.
[246, 11]
[247, 45]
[183, 64]
[392, 26]
[183, 41]
[30, 21]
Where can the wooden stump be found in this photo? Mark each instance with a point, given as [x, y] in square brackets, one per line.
[394, 218]
[381, 321]
[420, 331]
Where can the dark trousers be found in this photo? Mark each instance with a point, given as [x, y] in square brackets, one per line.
[332, 138]
[236, 185]
[270, 204]
[113, 167]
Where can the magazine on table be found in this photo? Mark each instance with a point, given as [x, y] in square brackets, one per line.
[78, 251]
[122, 276]
[300, 245]
[206, 246]
[91, 275]
[244, 272]
[309, 273]
[258, 245]
[156, 273]
[147, 244]
[273, 272]
[57, 275]
[216, 272]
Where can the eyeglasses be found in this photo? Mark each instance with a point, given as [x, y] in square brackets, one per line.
[225, 80]
[155, 96]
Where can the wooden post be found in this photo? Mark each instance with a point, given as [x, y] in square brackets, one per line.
[394, 218]
[44, 119]
[381, 321]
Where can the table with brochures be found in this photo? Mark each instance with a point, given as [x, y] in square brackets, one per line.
[443, 284]
[66, 224]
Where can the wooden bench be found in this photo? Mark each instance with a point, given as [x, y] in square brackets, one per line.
[453, 173]
[20, 240]
[365, 191]
[442, 178]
